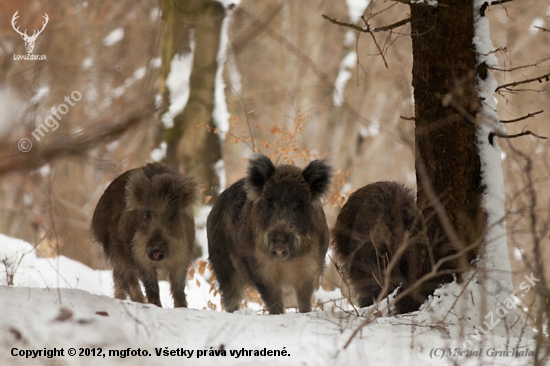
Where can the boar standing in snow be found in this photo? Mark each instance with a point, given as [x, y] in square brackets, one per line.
[269, 229]
[144, 221]
[379, 224]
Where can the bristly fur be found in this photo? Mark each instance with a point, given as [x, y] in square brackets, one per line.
[144, 221]
[318, 174]
[269, 230]
[260, 169]
[380, 223]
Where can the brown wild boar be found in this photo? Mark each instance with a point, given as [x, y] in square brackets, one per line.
[379, 223]
[269, 230]
[145, 223]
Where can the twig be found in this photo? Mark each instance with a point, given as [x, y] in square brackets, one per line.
[367, 29]
[542, 29]
[74, 145]
[499, 2]
[542, 60]
[470, 118]
[526, 81]
[522, 118]
[524, 133]
[418, 3]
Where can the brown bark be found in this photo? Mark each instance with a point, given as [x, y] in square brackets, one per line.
[191, 147]
[447, 158]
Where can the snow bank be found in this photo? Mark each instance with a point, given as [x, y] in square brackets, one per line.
[72, 308]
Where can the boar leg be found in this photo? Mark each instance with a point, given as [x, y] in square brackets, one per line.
[232, 290]
[177, 286]
[126, 282]
[272, 297]
[367, 291]
[304, 293]
[151, 284]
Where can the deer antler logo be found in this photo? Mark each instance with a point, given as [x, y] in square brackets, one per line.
[29, 40]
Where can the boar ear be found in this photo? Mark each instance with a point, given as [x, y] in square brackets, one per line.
[136, 189]
[317, 174]
[188, 192]
[260, 169]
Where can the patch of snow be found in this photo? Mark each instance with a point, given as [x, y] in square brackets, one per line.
[138, 75]
[40, 94]
[200, 227]
[87, 63]
[155, 13]
[356, 8]
[537, 22]
[115, 36]
[219, 167]
[57, 302]
[226, 3]
[178, 83]
[234, 75]
[494, 260]
[221, 113]
[156, 62]
[344, 74]
[429, 2]
[160, 152]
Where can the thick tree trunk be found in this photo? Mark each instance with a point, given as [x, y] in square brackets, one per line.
[193, 148]
[448, 168]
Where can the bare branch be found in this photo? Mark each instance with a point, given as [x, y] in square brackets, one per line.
[524, 133]
[529, 115]
[542, 29]
[418, 3]
[75, 145]
[471, 118]
[367, 29]
[536, 64]
[526, 81]
[500, 2]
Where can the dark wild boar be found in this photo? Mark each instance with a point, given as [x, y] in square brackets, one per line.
[269, 230]
[144, 221]
[379, 223]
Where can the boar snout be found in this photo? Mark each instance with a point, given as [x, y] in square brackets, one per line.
[281, 243]
[156, 254]
[279, 253]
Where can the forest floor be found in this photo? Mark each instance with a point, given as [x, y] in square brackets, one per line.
[58, 304]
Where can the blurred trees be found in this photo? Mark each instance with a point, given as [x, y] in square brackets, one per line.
[283, 63]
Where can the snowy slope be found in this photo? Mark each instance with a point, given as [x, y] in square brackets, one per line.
[58, 303]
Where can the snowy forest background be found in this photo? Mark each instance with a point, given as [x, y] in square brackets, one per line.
[275, 71]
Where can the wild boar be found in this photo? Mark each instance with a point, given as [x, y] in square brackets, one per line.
[144, 221]
[269, 230]
[379, 224]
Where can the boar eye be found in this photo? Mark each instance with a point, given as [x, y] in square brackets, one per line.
[147, 214]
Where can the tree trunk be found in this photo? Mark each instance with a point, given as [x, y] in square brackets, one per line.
[448, 167]
[192, 147]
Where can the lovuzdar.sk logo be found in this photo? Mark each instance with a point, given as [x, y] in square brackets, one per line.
[29, 40]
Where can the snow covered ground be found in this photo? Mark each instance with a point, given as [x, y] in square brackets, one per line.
[56, 303]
